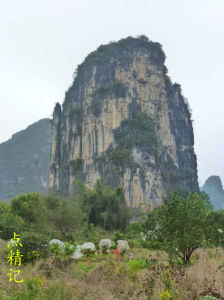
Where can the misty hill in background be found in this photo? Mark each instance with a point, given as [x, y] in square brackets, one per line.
[213, 187]
[24, 161]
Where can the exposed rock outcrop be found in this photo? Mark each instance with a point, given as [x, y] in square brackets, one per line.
[24, 161]
[124, 121]
[213, 187]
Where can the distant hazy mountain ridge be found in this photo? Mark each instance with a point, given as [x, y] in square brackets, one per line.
[213, 187]
[24, 161]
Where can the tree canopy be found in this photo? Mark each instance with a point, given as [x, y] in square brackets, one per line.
[104, 206]
[179, 226]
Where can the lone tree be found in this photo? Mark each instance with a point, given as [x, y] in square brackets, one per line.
[179, 225]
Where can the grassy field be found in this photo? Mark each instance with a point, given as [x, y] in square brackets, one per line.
[100, 277]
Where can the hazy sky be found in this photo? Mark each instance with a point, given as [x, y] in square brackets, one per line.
[41, 43]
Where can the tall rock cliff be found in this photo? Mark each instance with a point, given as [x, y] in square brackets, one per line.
[213, 187]
[124, 121]
[25, 160]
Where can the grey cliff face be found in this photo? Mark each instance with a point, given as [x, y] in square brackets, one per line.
[124, 121]
[24, 161]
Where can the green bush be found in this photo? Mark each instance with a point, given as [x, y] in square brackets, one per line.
[117, 235]
[76, 164]
[56, 249]
[179, 225]
[10, 223]
[76, 112]
[119, 156]
[31, 208]
[132, 242]
[33, 287]
[96, 106]
[69, 248]
[138, 264]
[70, 237]
[30, 290]
[35, 245]
[65, 217]
[116, 88]
[105, 206]
[137, 131]
[135, 228]
[165, 295]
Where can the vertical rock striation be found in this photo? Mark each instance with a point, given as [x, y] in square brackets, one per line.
[124, 121]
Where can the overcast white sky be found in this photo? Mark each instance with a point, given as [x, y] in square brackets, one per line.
[41, 43]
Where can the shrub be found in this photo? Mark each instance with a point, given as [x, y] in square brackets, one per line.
[105, 206]
[165, 295]
[116, 88]
[138, 264]
[70, 237]
[119, 156]
[69, 248]
[76, 164]
[56, 249]
[178, 226]
[84, 269]
[9, 224]
[33, 287]
[35, 245]
[30, 207]
[135, 228]
[65, 217]
[117, 235]
[77, 113]
[137, 131]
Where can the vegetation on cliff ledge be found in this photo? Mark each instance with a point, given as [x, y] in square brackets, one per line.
[113, 52]
[121, 48]
[115, 89]
[137, 131]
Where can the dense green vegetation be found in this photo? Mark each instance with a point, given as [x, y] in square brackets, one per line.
[104, 206]
[76, 166]
[169, 241]
[115, 89]
[137, 131]
[181, 225]
[42, 218]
